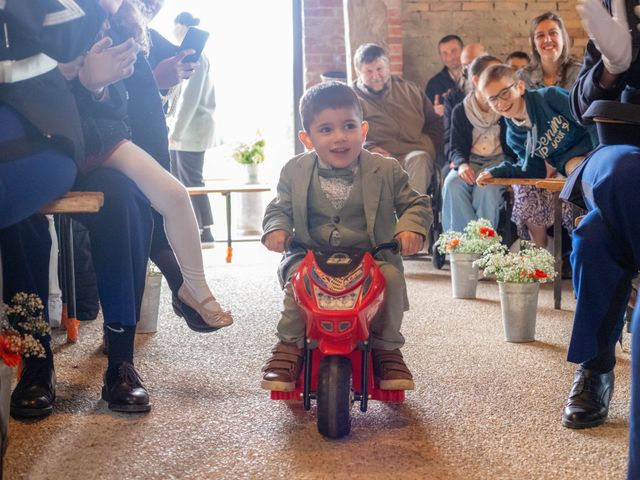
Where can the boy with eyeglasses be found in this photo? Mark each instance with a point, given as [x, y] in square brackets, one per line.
[541, 132]
[540, 127]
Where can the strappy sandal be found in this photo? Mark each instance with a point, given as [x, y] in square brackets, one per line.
[213, 318]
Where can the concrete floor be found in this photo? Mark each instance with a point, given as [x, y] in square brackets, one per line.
[483, 408]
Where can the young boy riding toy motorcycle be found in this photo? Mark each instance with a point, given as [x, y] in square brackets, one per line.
[339, 195]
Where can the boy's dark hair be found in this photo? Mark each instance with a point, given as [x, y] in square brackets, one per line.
[186, 19]
[368, 53]
[479, 64]
[495, 73]
[448, 38]
[327, 95]
[519, 54]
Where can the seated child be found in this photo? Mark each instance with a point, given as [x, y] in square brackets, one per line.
[540, 128]
[107, 135]
[477, 142]
[339, 194]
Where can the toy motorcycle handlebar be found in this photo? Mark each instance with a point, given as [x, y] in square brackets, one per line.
[293, 243]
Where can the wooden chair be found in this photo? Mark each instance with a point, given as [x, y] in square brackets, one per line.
[72, 202]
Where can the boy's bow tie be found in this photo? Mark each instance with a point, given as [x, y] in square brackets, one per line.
[344, 173]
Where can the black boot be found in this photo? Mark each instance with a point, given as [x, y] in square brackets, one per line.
[588, 403]
[123, 390]
[34, 395]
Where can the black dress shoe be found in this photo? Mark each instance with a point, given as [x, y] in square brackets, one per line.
[588, 403]
[191, 317]
[124, 391]
[35, 392]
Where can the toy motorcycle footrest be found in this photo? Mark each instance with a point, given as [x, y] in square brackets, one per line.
[285, 395]
[389, 396]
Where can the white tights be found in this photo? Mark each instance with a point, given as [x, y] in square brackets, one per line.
[169, 197]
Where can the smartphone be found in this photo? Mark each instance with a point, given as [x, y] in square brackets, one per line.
[634, 22]
[195, 39]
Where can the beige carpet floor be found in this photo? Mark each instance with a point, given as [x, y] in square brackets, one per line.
[483, 408]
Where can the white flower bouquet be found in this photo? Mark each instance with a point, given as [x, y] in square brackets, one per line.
[530, 264]
[477, 237]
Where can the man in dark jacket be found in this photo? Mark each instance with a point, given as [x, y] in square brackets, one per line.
[606, 245]
[450, 77]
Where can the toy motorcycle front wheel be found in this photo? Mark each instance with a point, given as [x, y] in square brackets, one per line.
[334, 396]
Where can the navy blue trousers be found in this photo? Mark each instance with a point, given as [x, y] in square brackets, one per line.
[120, 236]
[606, 255]
[28, 183]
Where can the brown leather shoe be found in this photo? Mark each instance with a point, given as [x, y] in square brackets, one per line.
[390, 371]
[283, 367]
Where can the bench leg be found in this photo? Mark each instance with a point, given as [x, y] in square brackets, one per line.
[68, 279]
[227, 197]
[557, 250]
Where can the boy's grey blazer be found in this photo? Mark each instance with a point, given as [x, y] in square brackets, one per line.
[391, 205]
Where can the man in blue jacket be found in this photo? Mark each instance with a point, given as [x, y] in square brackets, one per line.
[606, 245]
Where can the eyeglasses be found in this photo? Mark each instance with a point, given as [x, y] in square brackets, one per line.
[503, 94]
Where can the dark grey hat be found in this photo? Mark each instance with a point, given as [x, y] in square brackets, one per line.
[615, 112]
[617, 123]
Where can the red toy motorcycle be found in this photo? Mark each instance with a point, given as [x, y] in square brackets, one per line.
[339, 292]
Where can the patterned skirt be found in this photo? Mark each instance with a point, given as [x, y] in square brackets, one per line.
[535, 205]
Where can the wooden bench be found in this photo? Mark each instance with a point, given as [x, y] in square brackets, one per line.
[553, 185]
[226, 189]
[72, 202]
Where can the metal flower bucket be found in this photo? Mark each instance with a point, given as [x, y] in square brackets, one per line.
[150, 307]
[7, 374]
[464, 276]
[519, 302]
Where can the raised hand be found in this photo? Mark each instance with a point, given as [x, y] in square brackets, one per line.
[609, 33]
[172, 71]
[438, 106]
[105, 65]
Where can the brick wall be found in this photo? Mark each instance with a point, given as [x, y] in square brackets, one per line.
[324, 44]
[323, 39]
[502, 26]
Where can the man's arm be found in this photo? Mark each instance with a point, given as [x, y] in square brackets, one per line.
[460, 139]
[593, 83]
[61, 30]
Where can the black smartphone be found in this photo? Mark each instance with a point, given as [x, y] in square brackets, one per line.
[195, 39]
[634, 23]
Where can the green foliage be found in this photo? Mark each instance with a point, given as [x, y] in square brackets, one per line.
[250, 154]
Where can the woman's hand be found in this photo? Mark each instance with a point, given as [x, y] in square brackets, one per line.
[276, 241]
[410, 243]
[105, 65]
[483, 177]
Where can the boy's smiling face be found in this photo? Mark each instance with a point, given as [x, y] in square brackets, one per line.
[506, 97]
[337, 135]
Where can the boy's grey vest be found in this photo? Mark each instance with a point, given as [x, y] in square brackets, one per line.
[349, 220]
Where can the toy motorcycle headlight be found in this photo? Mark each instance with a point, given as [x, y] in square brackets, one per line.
[342, 302]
